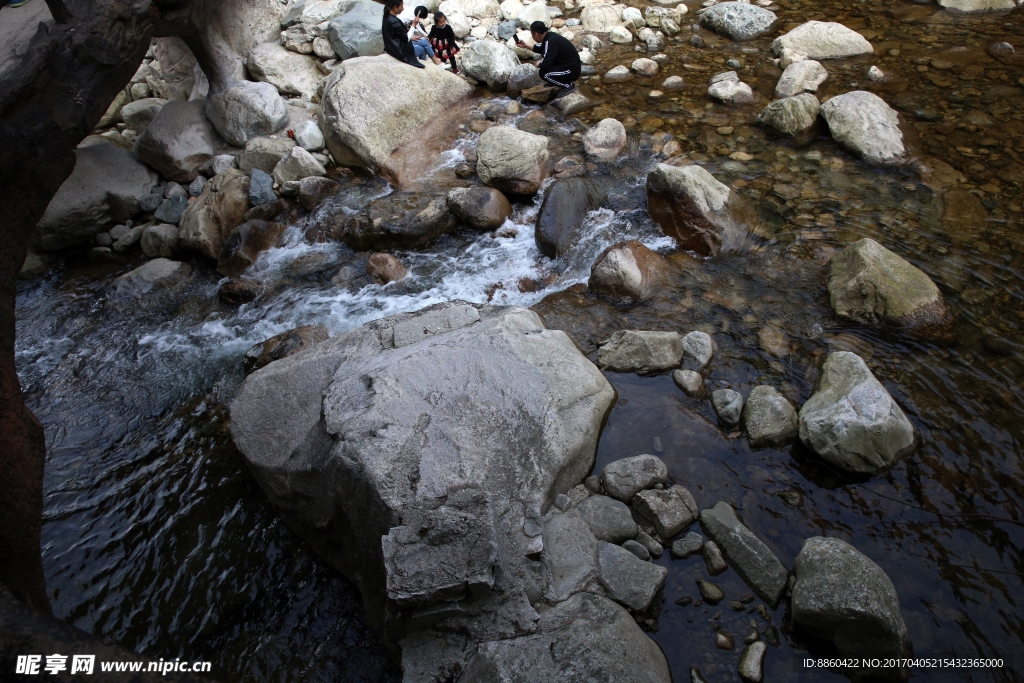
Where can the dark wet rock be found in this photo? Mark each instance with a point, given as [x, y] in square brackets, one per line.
[768, 419]
[179, 140]
[244, 245]
[689, 545]
[640, 351]
[315, 189]
[771, 636]
[696, 676]
[728, 405]
[238, 292]
[637, 549]
[105, 186]
[671, 510]
[623, 479]
[700, 213]
[713, 560]
[171, 210]
[724, 641]
[711, 592]
[483, 208]
[465, 171]
[104, 255]
[566, 205]
[283, 345]
[385, 268]
[684, 601]
[265, 212]
[153, 279]
[751, 666]
[148, 203]
[870, 284]
[159, 241]
[763, 612]
[209, 220]
[513, 161]
[791, 116]
[129, 239]
[751, 637]
[195, 188]
[401, 221]
[863, 123]
[608, 518]
[261, 188]
[264, 154]
[841, 595]
[851, 421]
[755, 563]
[739, 20]
[628, 579]
[1002, 52]
[628, 271]
[647, 541]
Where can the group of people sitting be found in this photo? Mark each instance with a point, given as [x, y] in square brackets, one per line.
[409, 42]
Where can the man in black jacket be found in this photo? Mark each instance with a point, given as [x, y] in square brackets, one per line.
[560, 62]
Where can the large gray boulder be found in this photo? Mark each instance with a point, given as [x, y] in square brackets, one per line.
[364, 124]
[211, 217]
[870, 284]
[791, 116]
[140, 113]
[244, 110]
[768, 418]
[844, 597]
[105, 187]
[153, 280]
[513, 161]
[560, 221]
[851, 421]
[585, 638]
[490, 62]
[628, 579]
[867, 126]
[289, 72]
[179, 141]
[756, 564]
[823, 40]
[447, 433]
[356, 32]
[699, 212]
[640, 351]
[739, 20]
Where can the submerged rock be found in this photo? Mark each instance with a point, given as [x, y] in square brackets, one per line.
[844, 597]
[624, 478]
[560, 221]
[640, 351]
[755, 563]
[628, 271]
[863, 123]
[870, 284]
[104, 187]
[364, 124]
[739, 20]
[792, 115]
[513, 161]
[283, 345]
[484, 208]
[851, 421]
[823, 40]
[768, 418]
[699, 212]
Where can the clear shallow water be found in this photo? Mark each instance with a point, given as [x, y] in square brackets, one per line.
[156, 537]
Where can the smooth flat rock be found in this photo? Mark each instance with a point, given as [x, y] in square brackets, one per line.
[628, 579]
[640, 351]
[609, 519]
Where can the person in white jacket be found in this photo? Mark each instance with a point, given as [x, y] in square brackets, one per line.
[418, 36]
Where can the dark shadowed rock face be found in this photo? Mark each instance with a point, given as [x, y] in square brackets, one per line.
[398, 221]
[283, 345]
[244, 245]
[566, 205]
[628, 271]
[700, 213]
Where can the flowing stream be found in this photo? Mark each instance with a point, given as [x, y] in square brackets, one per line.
[156, 537]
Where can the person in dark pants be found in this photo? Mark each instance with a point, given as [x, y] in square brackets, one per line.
[560, 63]
[396, 36]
